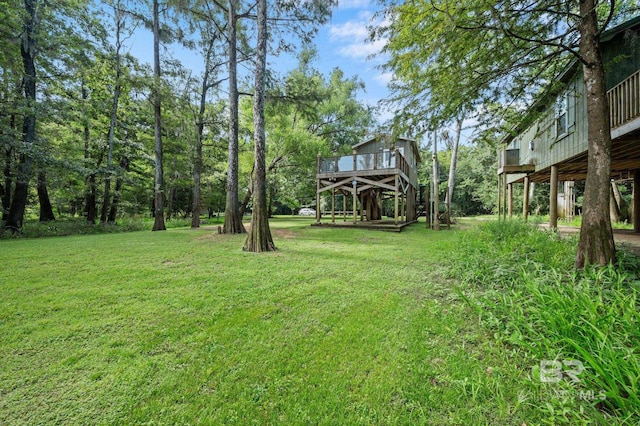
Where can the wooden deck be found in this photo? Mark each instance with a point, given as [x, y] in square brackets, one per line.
[378, 225]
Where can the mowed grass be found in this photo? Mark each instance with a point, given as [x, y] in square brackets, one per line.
[340, 326]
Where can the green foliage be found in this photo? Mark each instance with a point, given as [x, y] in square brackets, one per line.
[475, 190]
[474, 57]
[79, 226]
[306, 115]
[60, 228]
[522, 285]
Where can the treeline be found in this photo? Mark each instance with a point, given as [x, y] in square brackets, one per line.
[77, 125]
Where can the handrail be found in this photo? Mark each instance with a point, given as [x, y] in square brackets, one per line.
[624, 101]
[384, 160]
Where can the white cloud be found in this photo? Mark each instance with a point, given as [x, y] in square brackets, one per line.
[361, 50]
[349, 30]
[384, 78]
[352, 38]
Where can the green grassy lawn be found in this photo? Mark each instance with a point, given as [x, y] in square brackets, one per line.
[340, 326]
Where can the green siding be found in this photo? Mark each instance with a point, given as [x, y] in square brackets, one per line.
[548, 149]
[621, 56]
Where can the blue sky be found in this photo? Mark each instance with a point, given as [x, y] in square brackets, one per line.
[343, 43]
[340, 43]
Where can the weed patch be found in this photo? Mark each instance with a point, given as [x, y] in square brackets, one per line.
[578, 330]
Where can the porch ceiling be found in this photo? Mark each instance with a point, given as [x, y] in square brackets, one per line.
[625, 159]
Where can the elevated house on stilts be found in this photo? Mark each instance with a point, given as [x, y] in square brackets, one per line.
[550, 144]
[379, 169]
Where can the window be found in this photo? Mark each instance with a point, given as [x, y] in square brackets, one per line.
[562, 116]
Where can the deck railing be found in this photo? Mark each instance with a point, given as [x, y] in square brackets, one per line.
[509, 157]
[384, 160]
[624, 101]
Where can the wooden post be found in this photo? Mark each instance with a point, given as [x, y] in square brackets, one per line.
[525, 199]
[510, 203]
[355, 160]
[504, 196]
[436, 182]
[333, 205]
[318, 189]
[499, 197]
[355, 202]
[402, 207]
[553, 198]
[395, 202]
[636, 201]
[344, 207]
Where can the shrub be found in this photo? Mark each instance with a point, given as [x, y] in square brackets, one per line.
[522, 284]
[59, 228]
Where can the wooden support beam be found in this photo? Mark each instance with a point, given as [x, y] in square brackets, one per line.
[395, 203]
[553, 198]
[354, 194]
[504, 196]
[636, 201]
[330, 185]
[373, 183]
[510, 203]
[344, 206]
[318, 192]
[525, 199]
[499, 196]
[333, 205]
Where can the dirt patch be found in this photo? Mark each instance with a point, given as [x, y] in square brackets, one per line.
[213, 234]
[623, 237]
[285, 234]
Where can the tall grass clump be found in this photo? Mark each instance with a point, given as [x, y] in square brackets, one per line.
[522, 285]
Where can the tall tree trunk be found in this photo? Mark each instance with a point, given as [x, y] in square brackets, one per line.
[197, 162]
[245, 201]
[170, 191]
[46, 211]
[197, 171]
[158, 189]
[621, 205]
[8, 181]
[119, 21]
[90, 199]
[124, 166]
[15, 216]
[232, 219]
[90, 182]
[596, 245]
[614, 208]
[259, 238]
[454, 161]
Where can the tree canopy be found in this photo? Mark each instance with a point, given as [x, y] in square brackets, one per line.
[453, 58]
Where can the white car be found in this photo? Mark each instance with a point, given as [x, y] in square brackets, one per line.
[306, 212]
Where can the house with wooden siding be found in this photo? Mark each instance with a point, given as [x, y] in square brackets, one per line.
[380, 168]
[551, 145]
